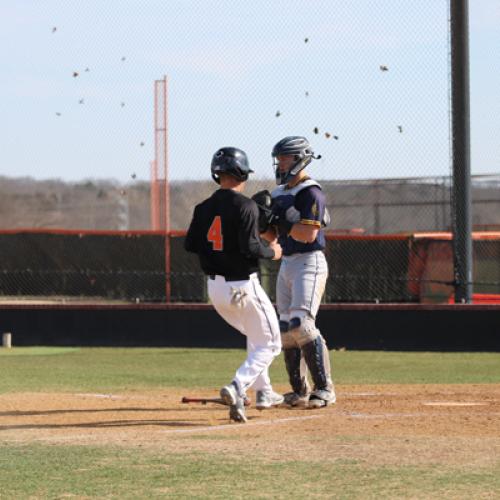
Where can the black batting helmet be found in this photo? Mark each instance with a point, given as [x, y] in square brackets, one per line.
[298, 147]
[232, 161]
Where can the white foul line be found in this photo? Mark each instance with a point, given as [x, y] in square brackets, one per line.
[453, 403]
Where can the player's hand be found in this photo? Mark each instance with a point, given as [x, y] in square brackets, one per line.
[277, 249]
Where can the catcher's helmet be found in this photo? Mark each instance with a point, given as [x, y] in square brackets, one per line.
[298, 147]
[232, 161]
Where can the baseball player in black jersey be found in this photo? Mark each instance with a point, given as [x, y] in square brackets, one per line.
[298, 216]
[224, 233]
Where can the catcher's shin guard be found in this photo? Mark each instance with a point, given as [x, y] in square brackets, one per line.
[318, 362]
[292, 363]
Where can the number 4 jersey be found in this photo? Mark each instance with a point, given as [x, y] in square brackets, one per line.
[224, 233]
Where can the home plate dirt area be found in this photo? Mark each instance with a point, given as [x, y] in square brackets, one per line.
[376, 423]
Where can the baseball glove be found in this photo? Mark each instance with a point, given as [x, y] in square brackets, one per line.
[264, 203]
[282, 225]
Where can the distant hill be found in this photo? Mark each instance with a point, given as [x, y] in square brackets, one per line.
[384, 206]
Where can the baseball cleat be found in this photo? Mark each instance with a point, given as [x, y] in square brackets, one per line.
[295, 400]
[236, 403]
[321, 398]
[265, 400]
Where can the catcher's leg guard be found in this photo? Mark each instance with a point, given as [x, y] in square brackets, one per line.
[292, 363]
[318, 362]
[313, 354]
[297, 378]
[284, 326]
[295, 367]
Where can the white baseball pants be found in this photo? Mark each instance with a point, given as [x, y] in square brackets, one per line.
[246, 307]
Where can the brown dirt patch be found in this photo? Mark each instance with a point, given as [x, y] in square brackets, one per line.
[384, 424]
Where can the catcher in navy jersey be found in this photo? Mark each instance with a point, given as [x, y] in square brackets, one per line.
[297, 215]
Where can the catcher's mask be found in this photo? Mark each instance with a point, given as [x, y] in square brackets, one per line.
[302, 152]
[232, 161]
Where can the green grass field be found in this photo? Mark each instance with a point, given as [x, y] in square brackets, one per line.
[107, 369]
[101, 472]
[57, 470]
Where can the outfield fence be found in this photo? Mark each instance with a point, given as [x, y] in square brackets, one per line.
[132, 267]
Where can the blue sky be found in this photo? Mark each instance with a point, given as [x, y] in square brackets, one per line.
[231, 66]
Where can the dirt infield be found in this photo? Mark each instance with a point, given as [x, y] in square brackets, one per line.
[454, 424]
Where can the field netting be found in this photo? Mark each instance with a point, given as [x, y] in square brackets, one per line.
[105, 157]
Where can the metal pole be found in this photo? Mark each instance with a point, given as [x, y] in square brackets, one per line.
[161, 166]
[154, 198]
[462, 218]
[168, 269]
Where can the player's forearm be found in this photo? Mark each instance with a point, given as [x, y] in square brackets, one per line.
[256, 249]
[269, 235]
[305, 233]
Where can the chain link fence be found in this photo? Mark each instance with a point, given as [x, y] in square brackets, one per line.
[368, 84]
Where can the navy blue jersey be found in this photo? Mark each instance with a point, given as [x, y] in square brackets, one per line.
[304, 203]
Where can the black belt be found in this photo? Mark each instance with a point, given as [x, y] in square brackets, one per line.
[231, 278]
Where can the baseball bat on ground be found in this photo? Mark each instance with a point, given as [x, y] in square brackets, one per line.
[204, 401]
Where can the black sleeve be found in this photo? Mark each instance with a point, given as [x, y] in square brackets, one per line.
[191, 240]
[249, 240]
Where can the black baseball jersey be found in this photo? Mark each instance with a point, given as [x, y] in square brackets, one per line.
[224, 233]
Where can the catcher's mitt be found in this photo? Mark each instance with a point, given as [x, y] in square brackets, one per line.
[264, 203]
